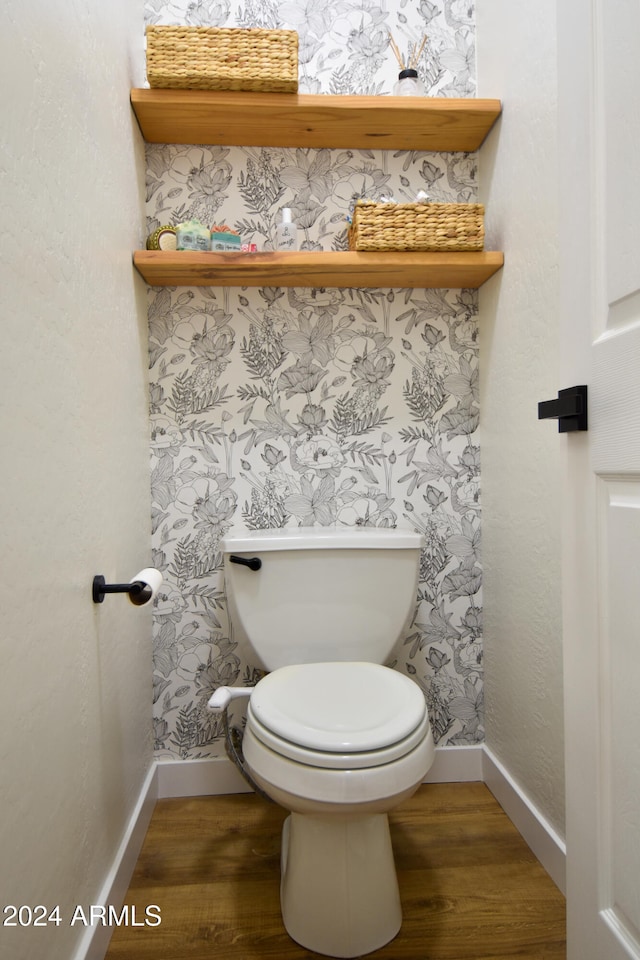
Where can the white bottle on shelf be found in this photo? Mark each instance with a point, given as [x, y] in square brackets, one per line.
[408, 84]
[286, 232]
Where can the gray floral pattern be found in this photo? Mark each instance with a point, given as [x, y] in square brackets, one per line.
[278, 407]
[344, 44]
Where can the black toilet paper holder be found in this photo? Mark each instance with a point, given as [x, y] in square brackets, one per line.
[139, 592]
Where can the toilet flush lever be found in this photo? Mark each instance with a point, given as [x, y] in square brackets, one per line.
[254, 563]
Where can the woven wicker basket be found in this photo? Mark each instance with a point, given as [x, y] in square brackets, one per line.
[417, 226]
[222, 58]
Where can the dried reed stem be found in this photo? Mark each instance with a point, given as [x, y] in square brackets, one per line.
[398, 55]
[416, 55]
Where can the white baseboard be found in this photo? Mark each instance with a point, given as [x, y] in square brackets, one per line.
[544, 842]
[456, 765]
[199, 778]
[217, 775]
[95, 940]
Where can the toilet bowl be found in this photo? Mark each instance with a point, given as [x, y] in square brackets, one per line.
[339, 745]
[345, 733]
[332, 734]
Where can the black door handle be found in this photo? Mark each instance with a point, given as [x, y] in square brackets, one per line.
[254, 563]
[570, 409]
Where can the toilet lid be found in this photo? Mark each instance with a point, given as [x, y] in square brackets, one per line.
[338, 761]
[341, 707]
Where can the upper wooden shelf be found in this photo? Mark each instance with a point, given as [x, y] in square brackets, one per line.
[306, 120]
[164, 268]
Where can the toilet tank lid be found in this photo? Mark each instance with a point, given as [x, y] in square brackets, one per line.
[321, 538]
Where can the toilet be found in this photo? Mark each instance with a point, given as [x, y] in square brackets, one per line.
[332, 735]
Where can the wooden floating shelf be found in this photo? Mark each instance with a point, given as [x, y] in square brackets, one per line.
[308, 120]
[163, 268]
[301, 120]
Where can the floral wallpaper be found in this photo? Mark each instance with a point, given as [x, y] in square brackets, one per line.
[344, 44]
[277, 407]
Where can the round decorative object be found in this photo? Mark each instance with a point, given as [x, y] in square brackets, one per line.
[164, 238]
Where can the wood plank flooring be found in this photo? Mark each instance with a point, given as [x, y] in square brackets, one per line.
[471, 889]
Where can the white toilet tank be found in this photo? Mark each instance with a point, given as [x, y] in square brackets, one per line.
[321, 593]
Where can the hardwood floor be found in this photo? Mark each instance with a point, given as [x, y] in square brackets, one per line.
[471, 889]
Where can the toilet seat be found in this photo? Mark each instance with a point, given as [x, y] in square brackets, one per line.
[339, 761]
[338, 715]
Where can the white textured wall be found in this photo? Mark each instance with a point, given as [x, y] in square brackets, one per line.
[74, 707]
[519, 327]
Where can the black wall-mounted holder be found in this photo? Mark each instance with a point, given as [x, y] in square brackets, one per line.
[139, 592]
[570, 409]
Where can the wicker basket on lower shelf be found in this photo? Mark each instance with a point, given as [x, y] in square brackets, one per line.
[222, 58]
[417, 226]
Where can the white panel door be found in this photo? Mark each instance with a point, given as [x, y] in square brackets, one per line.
[599, 167]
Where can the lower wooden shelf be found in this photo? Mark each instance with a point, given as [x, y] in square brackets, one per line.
[163, 268]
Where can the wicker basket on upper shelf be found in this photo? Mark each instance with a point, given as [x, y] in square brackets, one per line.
[417, 226]
[222, 58]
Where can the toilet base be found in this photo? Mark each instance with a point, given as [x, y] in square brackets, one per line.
[339, 891]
